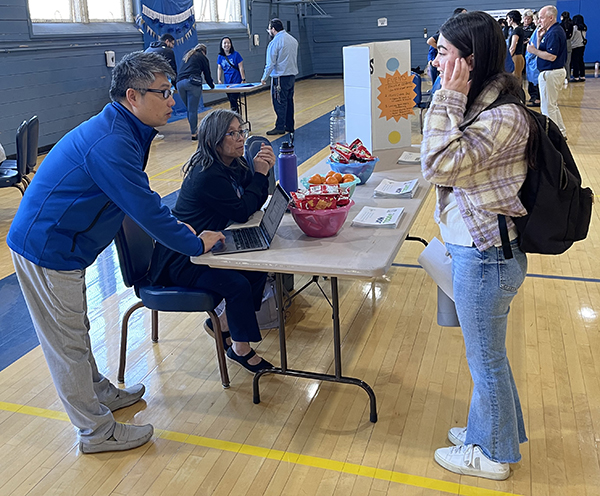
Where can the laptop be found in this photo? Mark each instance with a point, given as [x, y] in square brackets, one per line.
[258, 237]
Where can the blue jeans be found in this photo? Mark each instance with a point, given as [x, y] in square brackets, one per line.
[191, 95]
[485, 283]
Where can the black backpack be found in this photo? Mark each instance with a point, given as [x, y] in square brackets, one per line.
[559, 209]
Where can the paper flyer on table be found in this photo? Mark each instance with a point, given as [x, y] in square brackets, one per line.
[398, 189]
[378, 217]
[438, 265]
[410, 157]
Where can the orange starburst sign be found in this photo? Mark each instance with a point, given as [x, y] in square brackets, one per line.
[396, 94]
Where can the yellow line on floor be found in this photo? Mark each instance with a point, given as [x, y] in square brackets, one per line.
[178, 166]
[317, 104]
[286, 456]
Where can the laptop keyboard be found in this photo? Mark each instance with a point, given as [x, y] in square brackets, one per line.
[247, 238]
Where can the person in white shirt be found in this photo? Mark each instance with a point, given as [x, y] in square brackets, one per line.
[282, 66]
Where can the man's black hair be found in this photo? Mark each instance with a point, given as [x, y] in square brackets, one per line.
[167, 37]
[276, 24]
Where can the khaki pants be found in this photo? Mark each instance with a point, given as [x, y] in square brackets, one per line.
[519, 62]
[57, 304]
[550, 83]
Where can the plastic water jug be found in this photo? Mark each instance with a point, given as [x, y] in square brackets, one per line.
[287, 168]
[337, 126]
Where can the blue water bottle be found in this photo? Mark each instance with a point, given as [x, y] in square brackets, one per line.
[287, 168]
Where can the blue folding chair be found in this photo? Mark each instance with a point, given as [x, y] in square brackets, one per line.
[423, 98]
[135, 247]
[251, 148]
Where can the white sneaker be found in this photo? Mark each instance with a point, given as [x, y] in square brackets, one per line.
[468, 459]
[159, 137]
[457, 435]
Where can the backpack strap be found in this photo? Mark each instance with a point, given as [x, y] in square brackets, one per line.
[508, 254]
[234, 66]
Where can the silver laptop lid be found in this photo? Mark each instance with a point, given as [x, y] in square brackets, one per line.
[274, 212]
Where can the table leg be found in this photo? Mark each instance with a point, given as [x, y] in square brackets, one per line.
[244, 103]
[337, 344]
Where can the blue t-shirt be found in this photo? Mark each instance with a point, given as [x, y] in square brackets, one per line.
[232, 75]
[554, 42]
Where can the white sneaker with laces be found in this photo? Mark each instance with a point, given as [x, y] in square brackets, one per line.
[468, 459]
[457, 435]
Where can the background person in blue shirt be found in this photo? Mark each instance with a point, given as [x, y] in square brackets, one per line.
[230, 69]
[551, 53]
[282, 66]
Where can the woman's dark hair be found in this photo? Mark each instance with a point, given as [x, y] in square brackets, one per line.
[567, 24]
[579, 22]
[211, 133]
[221, 51]
[480, 35]
[514, 16]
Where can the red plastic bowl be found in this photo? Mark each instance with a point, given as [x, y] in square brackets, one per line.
[321, 223]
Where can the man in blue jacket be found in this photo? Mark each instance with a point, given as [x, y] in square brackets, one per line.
[70, 213]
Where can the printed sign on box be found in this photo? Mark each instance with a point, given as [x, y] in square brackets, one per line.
[378, 94]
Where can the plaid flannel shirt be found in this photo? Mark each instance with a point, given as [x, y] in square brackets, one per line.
[484, 164]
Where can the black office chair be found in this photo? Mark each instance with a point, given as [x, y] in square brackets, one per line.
[135, 247]
[12, 172]
[33, 135]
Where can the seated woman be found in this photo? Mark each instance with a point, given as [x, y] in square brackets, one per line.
[218, 189]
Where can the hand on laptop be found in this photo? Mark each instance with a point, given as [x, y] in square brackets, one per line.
[211, 238]
[264, 160]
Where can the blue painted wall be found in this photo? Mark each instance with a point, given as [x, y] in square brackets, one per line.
[63, 78]
[591, 14]
[355, 22]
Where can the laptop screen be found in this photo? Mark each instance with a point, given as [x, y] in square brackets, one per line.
[274, 212]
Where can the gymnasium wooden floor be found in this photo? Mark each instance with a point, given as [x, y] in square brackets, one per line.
[312, 439]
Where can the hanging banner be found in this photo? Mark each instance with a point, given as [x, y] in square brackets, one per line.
[175, 17]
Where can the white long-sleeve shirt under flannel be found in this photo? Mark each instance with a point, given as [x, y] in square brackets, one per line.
[485, 165]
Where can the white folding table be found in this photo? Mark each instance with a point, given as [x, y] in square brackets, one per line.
[355, 252]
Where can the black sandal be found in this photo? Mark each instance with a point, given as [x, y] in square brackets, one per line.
[243, 361]
[208, 327]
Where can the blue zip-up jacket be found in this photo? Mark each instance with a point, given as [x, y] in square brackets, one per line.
[84, 187]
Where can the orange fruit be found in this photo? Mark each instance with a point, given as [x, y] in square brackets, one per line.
[348, 178]
[339, 177]
[316, 179]
[330, 173]
[332, 180]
